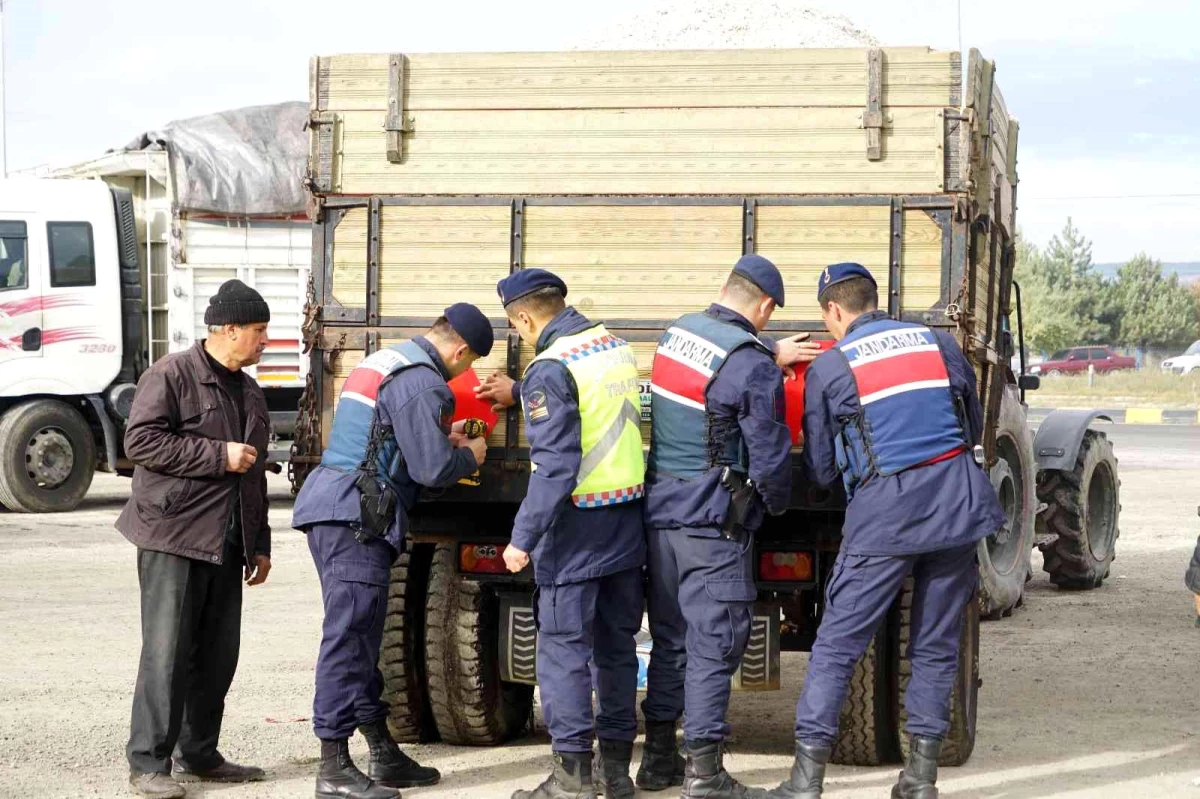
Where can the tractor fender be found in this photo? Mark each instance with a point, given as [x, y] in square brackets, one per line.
[1056, 444]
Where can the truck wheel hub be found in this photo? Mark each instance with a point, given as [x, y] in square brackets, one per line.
[49, 458]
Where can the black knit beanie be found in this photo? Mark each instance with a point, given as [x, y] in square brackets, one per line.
[235, 303]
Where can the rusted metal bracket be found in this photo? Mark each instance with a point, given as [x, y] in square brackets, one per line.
[394, 123]
[748, 228]
[512, 416]
[373, 222]
[873, 115]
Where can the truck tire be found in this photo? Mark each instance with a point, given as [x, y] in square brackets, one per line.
[964, 697]
[1005, 555]
[402, 659]
[866, 729]
[1079, 527]
[47, 457]
[471, 705]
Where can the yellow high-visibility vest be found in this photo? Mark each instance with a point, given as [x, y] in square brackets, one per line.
[606, 376]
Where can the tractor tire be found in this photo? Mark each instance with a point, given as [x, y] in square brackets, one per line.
[964, 697]
[402, 659]
[471, 705]
[866, 729]
[1005, 555]
[47, 457]
[1079, 528]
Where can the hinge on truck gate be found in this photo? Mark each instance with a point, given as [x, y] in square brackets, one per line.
[872, 120]
[395, 123]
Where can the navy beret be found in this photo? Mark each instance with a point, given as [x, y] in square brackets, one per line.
[524, 282]
[762, 273]
[836, 273]
[474, 328]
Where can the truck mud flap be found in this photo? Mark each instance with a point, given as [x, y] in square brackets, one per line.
[518, 639]
[518, 647]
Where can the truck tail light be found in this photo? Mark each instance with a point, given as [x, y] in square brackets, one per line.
[790, 567]
[481, 559]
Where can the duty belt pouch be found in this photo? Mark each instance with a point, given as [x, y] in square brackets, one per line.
[376, 499]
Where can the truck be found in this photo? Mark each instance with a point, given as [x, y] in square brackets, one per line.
[640, 178]
[153, 229]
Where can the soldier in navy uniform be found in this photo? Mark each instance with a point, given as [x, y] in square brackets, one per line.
[892, 412]
[581, 524]
[719, 460]
[391, 436]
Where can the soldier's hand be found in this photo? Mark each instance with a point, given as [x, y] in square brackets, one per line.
[496, 388]
[1196, 597]
[262, 567]
[515, 559]
[478, 447]
[239, 457]
[793, 350]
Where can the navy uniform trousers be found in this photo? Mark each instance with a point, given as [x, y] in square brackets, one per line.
[584, 627]
[700, 601]
[354, 588]
[860, 591]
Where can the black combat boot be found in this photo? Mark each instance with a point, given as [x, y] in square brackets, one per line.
[391, 767]
[612, 769]
[919, 778]
[808, 774]
[705, 777]
[339, 778]
[570, 779]
[662, 765]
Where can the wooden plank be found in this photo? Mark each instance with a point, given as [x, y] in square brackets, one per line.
[921, 262]
[350, 259]
[642, 262]
[660, 79]
[873, 115]
[803, 240]
[654, 151]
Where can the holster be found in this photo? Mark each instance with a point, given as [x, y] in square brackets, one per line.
[742, 496]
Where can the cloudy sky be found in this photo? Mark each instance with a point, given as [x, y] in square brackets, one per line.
[1106, 93]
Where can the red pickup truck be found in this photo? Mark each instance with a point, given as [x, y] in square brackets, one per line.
[1077, 359]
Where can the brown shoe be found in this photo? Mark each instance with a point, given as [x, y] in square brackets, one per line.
[228, 771]
[156, 785]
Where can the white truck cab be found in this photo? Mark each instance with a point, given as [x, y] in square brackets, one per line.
[70, 337]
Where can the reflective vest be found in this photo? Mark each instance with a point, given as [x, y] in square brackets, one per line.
[606, 377]
[908, 417]
[685, 441]
[356, 409]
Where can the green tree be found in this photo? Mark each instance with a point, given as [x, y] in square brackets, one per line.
[1066, 300]
[1155, 310]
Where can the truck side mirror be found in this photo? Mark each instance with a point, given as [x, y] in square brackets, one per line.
[1029, 382]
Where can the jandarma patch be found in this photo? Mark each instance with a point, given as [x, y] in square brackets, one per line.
[536, 407]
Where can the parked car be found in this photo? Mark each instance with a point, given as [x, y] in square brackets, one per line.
[1184, 364]
[1077, 360]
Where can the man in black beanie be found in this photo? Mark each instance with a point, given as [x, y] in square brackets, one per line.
[197, 435]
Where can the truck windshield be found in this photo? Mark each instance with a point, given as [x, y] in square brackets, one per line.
[1194, 349]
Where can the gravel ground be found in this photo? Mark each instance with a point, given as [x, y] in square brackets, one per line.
[1084, 694]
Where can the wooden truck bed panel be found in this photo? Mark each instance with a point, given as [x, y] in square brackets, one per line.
[913, 76]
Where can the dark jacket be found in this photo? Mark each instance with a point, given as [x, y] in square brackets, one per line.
[1192, 577]
[416, 406]
[924, 509]
[182, 498]
[568, 544]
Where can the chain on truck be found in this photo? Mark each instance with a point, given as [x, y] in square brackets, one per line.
[433, 176]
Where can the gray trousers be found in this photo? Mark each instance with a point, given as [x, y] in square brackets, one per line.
[191, 633]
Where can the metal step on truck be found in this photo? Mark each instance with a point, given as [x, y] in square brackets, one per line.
[640, 177]
[107, 266]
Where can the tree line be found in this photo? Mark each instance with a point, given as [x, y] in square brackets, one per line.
[1067, 301]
